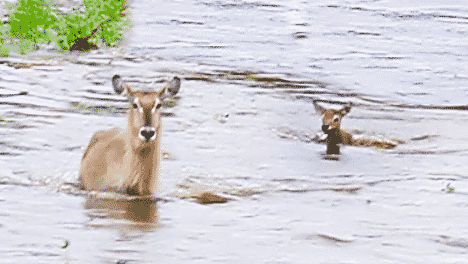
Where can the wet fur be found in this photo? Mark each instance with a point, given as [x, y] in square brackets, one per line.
[118, 159]
[338, 136]
[331, 120]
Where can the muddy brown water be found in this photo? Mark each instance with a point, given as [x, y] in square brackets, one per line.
[242, 127]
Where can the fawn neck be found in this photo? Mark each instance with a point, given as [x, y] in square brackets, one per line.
[334, 138]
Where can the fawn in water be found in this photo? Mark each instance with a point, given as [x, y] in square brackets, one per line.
[127, 160]
[331, 125]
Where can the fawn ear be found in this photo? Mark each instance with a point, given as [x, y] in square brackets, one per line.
[318, 108]
[346, 109]
[120, 87]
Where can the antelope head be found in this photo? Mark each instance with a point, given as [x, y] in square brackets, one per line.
[331, 118]
[144, 117]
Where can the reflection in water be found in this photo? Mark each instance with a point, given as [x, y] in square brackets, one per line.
[136, 212]
[330, 156]
[401, 63]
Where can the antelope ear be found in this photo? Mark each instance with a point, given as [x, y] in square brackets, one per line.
[318, 108]
[120, 87]
[173, 86]
[170, 88]
[346, 109]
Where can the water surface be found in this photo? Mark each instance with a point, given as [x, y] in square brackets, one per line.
[242, 127]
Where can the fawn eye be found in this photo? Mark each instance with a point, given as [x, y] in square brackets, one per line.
[134, 105]
[336, 119]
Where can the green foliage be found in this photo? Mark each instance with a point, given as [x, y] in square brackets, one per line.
[4, 51]
[100, 21]
[32, 22]
[31, 19]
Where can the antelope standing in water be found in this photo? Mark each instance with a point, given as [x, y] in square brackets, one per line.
[127, 160]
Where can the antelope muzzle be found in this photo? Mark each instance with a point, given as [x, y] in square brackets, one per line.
[147, 133]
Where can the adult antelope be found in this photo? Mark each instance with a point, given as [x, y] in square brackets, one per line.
[127, 160]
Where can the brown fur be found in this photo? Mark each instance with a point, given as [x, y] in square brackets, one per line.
[332, 122]
[124, 160]
[332, 127]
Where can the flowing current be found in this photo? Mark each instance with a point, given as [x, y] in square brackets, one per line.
[243, 128]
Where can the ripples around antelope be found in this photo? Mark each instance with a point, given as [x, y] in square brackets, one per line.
[243, 176]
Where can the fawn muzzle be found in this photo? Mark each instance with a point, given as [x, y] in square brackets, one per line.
[329, 130]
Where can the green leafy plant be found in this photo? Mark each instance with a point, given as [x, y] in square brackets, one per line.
[31, 19]
[32, 22]
[99, 21]
[4, 50]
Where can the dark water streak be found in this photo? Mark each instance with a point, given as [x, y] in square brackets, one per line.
[243, 128]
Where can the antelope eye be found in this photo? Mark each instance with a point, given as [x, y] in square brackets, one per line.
[134, 105]
[158, 105]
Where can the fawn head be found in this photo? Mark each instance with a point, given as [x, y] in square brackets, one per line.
[331, 118]
[144, 117]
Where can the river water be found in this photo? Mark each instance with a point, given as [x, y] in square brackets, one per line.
[242, 127]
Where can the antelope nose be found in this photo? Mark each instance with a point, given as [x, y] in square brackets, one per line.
[148, 133]
[325, 128]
